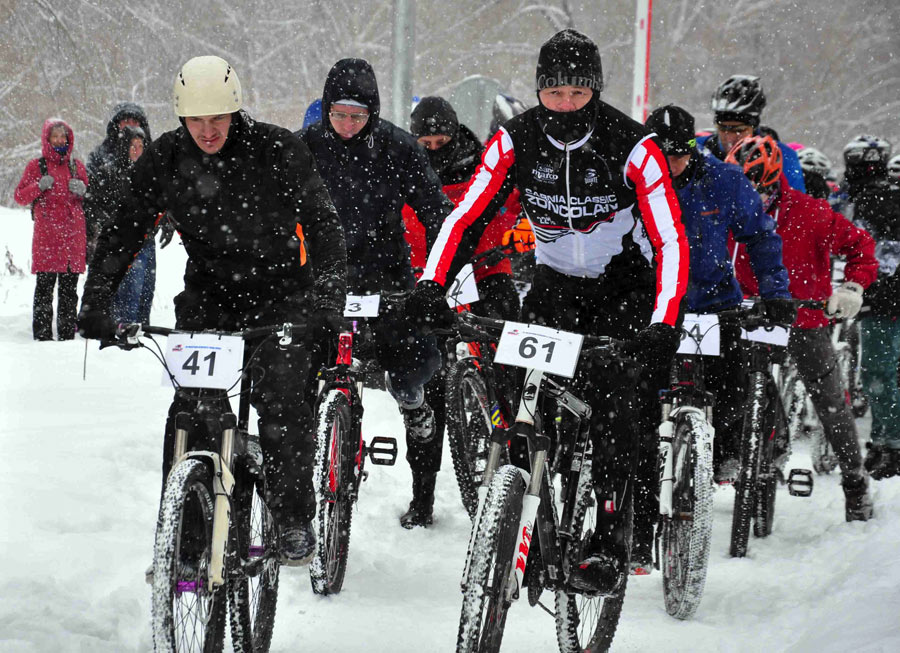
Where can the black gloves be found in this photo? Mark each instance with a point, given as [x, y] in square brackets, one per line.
[427, 306]
[324, 325]
[95, 323]
[780, 311]
[166, 230]
[655, 345]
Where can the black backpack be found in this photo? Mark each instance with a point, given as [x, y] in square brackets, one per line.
[42, 163]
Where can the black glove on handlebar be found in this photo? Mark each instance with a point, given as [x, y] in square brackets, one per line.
[655, 345]
[95, 323]
[780, 311]
[427, 307]
[324, 325]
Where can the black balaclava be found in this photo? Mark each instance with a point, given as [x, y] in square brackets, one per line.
[569, 58]
[434, 116]
[351, 79]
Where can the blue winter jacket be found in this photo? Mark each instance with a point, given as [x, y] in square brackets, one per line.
[717, 199]
[789, 160]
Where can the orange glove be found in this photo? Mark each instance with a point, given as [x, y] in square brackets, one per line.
[521, 237]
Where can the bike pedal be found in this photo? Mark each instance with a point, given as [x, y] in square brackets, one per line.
[800, 483]
[641, 570]
[382, 450]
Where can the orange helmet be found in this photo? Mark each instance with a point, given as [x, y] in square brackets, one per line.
[760, 159]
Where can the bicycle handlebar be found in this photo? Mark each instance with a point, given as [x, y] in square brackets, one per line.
[127, 334]
[476, 326]
[755, 315]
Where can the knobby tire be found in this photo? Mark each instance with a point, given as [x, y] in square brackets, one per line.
[186, 614]
[336, 451]
[746, 483]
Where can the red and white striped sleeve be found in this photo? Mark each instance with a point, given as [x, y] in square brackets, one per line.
[496, 161]
[647, 171]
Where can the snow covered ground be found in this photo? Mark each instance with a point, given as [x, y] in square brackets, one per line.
[78, 501]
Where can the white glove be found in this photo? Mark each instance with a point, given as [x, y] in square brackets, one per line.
[845, 301]
[77, 187]
[45, 183]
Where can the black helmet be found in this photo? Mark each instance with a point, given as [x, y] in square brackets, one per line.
[739, 98]
[866, 156]
[674, 129]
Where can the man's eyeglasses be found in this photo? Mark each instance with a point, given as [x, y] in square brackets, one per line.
[734, 129]
[355, 118]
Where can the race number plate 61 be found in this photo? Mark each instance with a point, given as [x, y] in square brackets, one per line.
[204, 360]
[539, 347]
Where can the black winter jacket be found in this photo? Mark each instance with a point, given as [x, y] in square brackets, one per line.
[876, 208]
[237, 212]
[370, 177]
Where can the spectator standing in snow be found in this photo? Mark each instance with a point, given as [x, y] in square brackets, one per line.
[109, 168]
[54, 186]
[372, 169]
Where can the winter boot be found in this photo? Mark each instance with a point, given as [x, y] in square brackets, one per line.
[858, 503]
[298, 544]
[419, 422]
[421, 508]
[602, 571]
[881, 462]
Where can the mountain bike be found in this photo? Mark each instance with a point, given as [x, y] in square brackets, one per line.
[513, 504]
[341, 453]
[764, 434]
[686, 471]
[216, 539]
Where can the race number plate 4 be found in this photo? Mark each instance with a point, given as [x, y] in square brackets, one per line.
[362, 305]
[204, 360]
[700, 334]
[463, 290]
[539, 347]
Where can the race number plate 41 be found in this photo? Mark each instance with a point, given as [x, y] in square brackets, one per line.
[539, 347]
[204, 360]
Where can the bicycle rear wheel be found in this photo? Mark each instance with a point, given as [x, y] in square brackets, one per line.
[484, 607]
[686, 534]
[187, 613]
[253, 589]
[337, 448]
[587, 623]
[468, 427]
[767, 476]
[745, 485]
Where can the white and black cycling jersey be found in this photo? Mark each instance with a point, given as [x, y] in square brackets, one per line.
[604, 196]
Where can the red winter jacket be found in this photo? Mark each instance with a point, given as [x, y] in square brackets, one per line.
[811, 233]
[60, 239]
[504, 221]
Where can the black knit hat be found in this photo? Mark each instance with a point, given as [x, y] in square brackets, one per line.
[569, 58]
[674, 129]
[432, 116]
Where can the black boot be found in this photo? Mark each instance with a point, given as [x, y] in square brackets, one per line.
[421, 507]
[858, 503]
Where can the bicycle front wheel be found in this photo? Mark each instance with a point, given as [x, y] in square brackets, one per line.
[468, 427]
[485, 606]
[188, 613]
[745, 485]
[587, 623]
[338, 445]
[685, 536]
[253, 590]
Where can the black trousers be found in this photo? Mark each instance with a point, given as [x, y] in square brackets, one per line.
[622, 397]
[67, 303]
[283, 394]
[500, 300]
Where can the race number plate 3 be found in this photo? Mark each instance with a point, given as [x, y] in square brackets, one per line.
[539, 347]
[204, 360]
[700, 334]
[362, 305]
[463, 290]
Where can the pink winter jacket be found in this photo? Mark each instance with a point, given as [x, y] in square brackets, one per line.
[59, 238]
